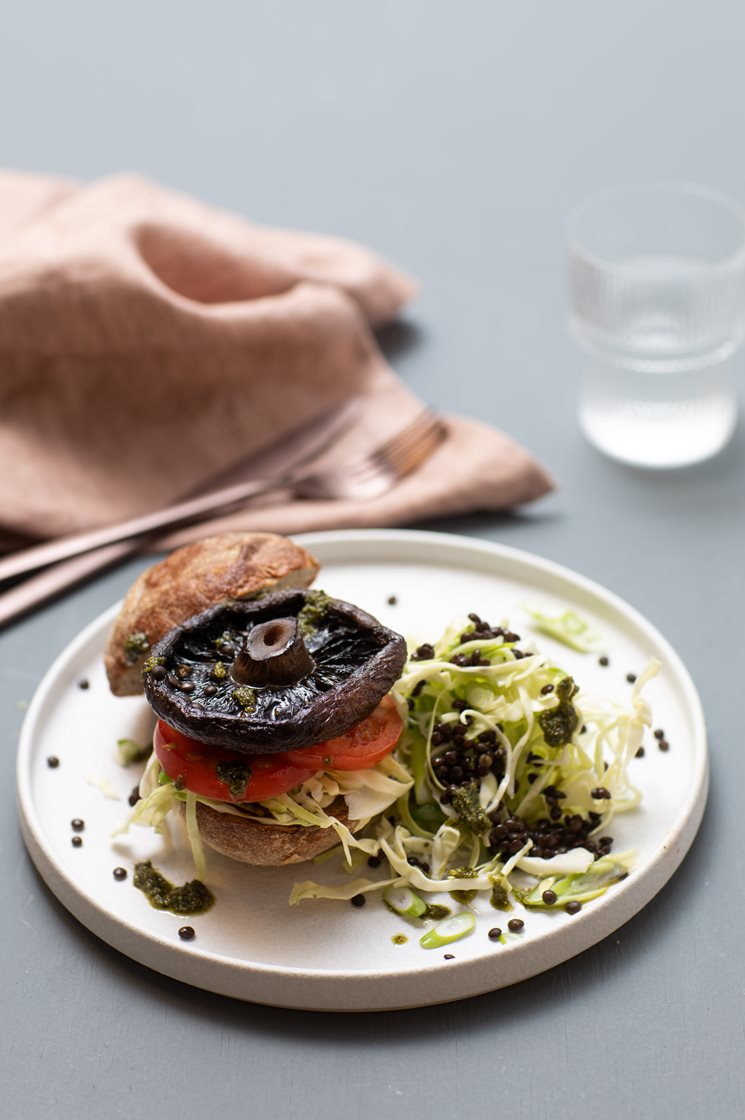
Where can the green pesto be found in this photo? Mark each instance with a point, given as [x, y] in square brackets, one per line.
[399, 939]
[560, 723]
[236, 775]
[151, 662]
[500, 895]
[219, 672]
[436, 912]
[245, 698]
[467, 806]
[464, 896]
[313, 612]
[135, 644]
[192, 898]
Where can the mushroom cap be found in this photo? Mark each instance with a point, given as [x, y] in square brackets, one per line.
[355, 660]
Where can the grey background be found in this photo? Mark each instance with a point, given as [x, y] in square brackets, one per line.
[453, 138]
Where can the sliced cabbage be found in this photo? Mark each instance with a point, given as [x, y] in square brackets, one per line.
[433, 846]
[366, 793]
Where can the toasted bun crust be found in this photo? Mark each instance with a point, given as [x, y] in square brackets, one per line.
[225, 566]
[266, 845]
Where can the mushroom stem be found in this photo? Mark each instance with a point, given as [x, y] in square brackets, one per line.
[273, 655]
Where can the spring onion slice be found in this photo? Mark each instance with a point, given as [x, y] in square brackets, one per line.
[452, 929]
[404, 902]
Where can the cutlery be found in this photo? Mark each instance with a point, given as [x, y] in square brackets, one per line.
[368, 475]
[283, 460]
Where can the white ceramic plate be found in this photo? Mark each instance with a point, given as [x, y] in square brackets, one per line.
[329, 955]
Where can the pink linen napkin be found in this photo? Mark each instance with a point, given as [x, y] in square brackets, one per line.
[150, 343]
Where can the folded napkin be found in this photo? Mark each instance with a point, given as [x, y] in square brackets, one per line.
[150, 343]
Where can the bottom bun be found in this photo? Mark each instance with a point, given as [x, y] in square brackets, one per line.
[266, 845]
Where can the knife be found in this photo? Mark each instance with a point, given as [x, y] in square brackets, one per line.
[299, 447]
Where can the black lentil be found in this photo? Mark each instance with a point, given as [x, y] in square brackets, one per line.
[425, 652]
[84, 683]
[546, 689]
[573, 907]
[77, 841]
[495, 934]
[549, 897]
[119, 873]
[358, 900]
[631, 678]
[392, 600]
[659, 733]
[187, 933]
[600, 793]
[449, 957]
[663, 745]
[640, 752]
[77, 825]
[53, 762]
[604, 661]
[134, 796]
[515, 924]
[158, 673]
[374, 861]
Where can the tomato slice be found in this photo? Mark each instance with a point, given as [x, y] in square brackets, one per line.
[361, 747]
[225, 775]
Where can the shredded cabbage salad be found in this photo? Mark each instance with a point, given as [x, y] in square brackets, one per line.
[506, 757]
[503, 784]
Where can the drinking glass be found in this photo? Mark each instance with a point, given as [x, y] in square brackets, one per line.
[657, 307]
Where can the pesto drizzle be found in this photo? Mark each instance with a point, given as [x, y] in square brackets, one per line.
[236, 775]
[192, 898]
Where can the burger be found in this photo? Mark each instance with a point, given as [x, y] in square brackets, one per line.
[274, 726]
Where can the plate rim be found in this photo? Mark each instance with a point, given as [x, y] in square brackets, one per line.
[460, 977]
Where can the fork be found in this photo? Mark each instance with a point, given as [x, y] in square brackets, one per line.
[364, 477]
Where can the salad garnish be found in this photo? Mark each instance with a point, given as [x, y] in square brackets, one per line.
[567, 626]
[515, 774]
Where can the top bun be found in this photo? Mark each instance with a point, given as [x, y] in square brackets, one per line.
[197, 576]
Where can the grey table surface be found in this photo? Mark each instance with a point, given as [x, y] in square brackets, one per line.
[454, 139]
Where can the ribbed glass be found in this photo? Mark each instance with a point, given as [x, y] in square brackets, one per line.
[657, 287]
